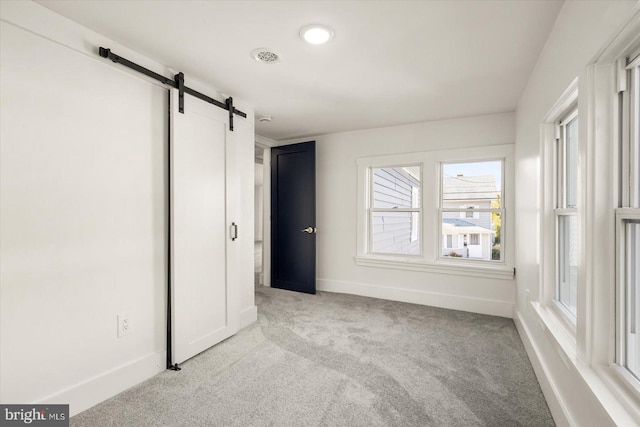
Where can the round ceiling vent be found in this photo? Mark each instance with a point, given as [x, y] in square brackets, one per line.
[265, 56]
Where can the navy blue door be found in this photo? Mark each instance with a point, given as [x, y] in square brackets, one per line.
[293, 217]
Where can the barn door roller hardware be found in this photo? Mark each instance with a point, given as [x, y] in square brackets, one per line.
[178, 83]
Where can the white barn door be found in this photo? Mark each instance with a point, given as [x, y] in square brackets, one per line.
[203, 307]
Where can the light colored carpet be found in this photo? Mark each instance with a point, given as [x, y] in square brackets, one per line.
[343, 360]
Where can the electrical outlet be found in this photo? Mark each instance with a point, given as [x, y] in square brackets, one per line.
[124, 324]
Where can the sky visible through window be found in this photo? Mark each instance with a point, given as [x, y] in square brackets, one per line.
[475, 169]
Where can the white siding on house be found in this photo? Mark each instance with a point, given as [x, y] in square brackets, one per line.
[392, 188]
[392, 233]
[395, 187]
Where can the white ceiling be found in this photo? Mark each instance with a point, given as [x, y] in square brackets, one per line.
[390, 62]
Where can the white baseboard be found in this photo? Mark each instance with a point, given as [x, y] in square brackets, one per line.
[558, 408]
[92, 391]
[248, 316]
[453, 302]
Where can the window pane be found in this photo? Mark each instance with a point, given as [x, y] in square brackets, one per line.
[572, 163]
[477, 238]
[478, 184]
[567, 261]
[634, 131]
[392, 233]
[397, 187]
[632, 295]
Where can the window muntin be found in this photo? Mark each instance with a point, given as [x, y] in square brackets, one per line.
[471, 209]
[567, 244]
[396, 210]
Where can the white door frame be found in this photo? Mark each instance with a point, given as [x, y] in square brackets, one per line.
[266, 144]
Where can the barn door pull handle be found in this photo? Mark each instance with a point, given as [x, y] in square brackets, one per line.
[234, 231]
[309, 230]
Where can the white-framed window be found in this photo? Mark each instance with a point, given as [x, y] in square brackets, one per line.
[395, 210]
[566, 211]
[561, 260]
[449, 244]
[628, 223]
[599, 342]
[628, 295]
[408, 231]
[474, 239]
[472, 207]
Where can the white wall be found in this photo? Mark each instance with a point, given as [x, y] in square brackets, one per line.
[336, 177]
[581, 31]
[244, 146]
[83, 213]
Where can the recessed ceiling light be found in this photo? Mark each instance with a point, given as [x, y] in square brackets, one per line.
[316, 34]
[265, 56]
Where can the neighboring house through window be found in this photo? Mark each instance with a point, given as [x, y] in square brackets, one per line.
[454, 223]
[472, 191]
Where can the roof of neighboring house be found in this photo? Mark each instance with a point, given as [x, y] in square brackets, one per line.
[460, 187]
[458, 226]
[458, 222]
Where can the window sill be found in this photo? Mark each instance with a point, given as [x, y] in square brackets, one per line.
[619, 403]
[412, 264]
[557, 333]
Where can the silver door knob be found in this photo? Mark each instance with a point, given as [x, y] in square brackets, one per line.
[308, 230]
